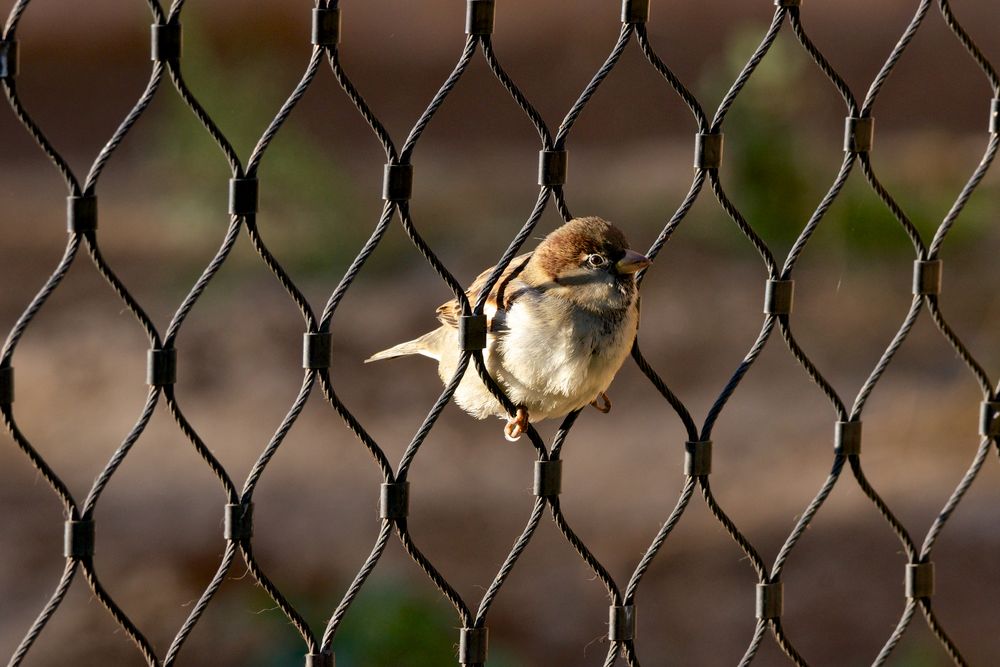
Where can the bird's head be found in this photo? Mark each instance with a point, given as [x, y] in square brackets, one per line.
[588, 261]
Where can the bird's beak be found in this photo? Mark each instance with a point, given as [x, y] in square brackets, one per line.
[632, 262]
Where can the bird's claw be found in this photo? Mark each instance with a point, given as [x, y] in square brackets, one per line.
[516, 426]
[602, 403]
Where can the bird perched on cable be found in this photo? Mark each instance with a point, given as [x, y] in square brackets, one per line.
[560, 322]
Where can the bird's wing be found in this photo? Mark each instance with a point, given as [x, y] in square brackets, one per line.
[450, 312]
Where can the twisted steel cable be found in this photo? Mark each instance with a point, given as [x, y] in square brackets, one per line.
[239, 538]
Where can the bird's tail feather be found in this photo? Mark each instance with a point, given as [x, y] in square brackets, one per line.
[415, 346]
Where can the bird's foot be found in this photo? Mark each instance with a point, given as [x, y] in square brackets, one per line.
[602, 403]
[516, 426]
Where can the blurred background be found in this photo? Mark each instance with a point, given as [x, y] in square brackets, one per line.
[81, 365]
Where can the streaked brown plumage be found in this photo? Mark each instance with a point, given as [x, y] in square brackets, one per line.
[567, 320]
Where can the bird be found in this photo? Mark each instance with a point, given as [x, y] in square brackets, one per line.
[560, 322]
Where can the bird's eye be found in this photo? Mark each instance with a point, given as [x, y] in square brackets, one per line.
[597, 261]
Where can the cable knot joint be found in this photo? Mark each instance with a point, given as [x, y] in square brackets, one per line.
[321, 659]
[635, 11]
[552, 167]
[394, 500]
[548, 478]
[778, 297]
[920, 580]
[472, 645]
[859, 134]
[621, 623]
[238, 524]
[708, 150]
[770, 600]
[78, 539]
[165, 41]
[317, 349]
[989, 419]
[479, 17]
[397, 182]
[472, 332]
[6, 385]
[847, 438]
[927, 276]
[81, 214]
[8, 59]
[325, 26]
[697, 458]
[161, 366]
[243, 196]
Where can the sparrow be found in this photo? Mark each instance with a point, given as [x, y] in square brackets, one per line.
[560, 322]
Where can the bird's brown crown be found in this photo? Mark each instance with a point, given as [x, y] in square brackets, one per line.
[565, 246]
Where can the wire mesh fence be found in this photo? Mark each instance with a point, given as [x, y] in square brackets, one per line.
[318, 384]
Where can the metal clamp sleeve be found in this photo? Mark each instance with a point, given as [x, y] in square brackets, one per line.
[552, 167]
[161, 366]
[779, 297]
[243, 196]
[927, 276]
[920, 580]
[81, 214]
[321, 660]
[479, 17]
[989, 419]
[472, 645]
[847, 438]
[317, 349]
[708, 150]
[394, 500]
[6, 385]
[325, 26]
[8, 59]
[770, 600]
[165, 41]
[621, 623]
[548, 478]
[697, 458]
[635, 11]
[397, 182]
[78, 539]
[859, 134]
[238, 524]
[472, 332]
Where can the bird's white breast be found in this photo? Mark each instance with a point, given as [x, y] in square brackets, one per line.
[555, 357]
